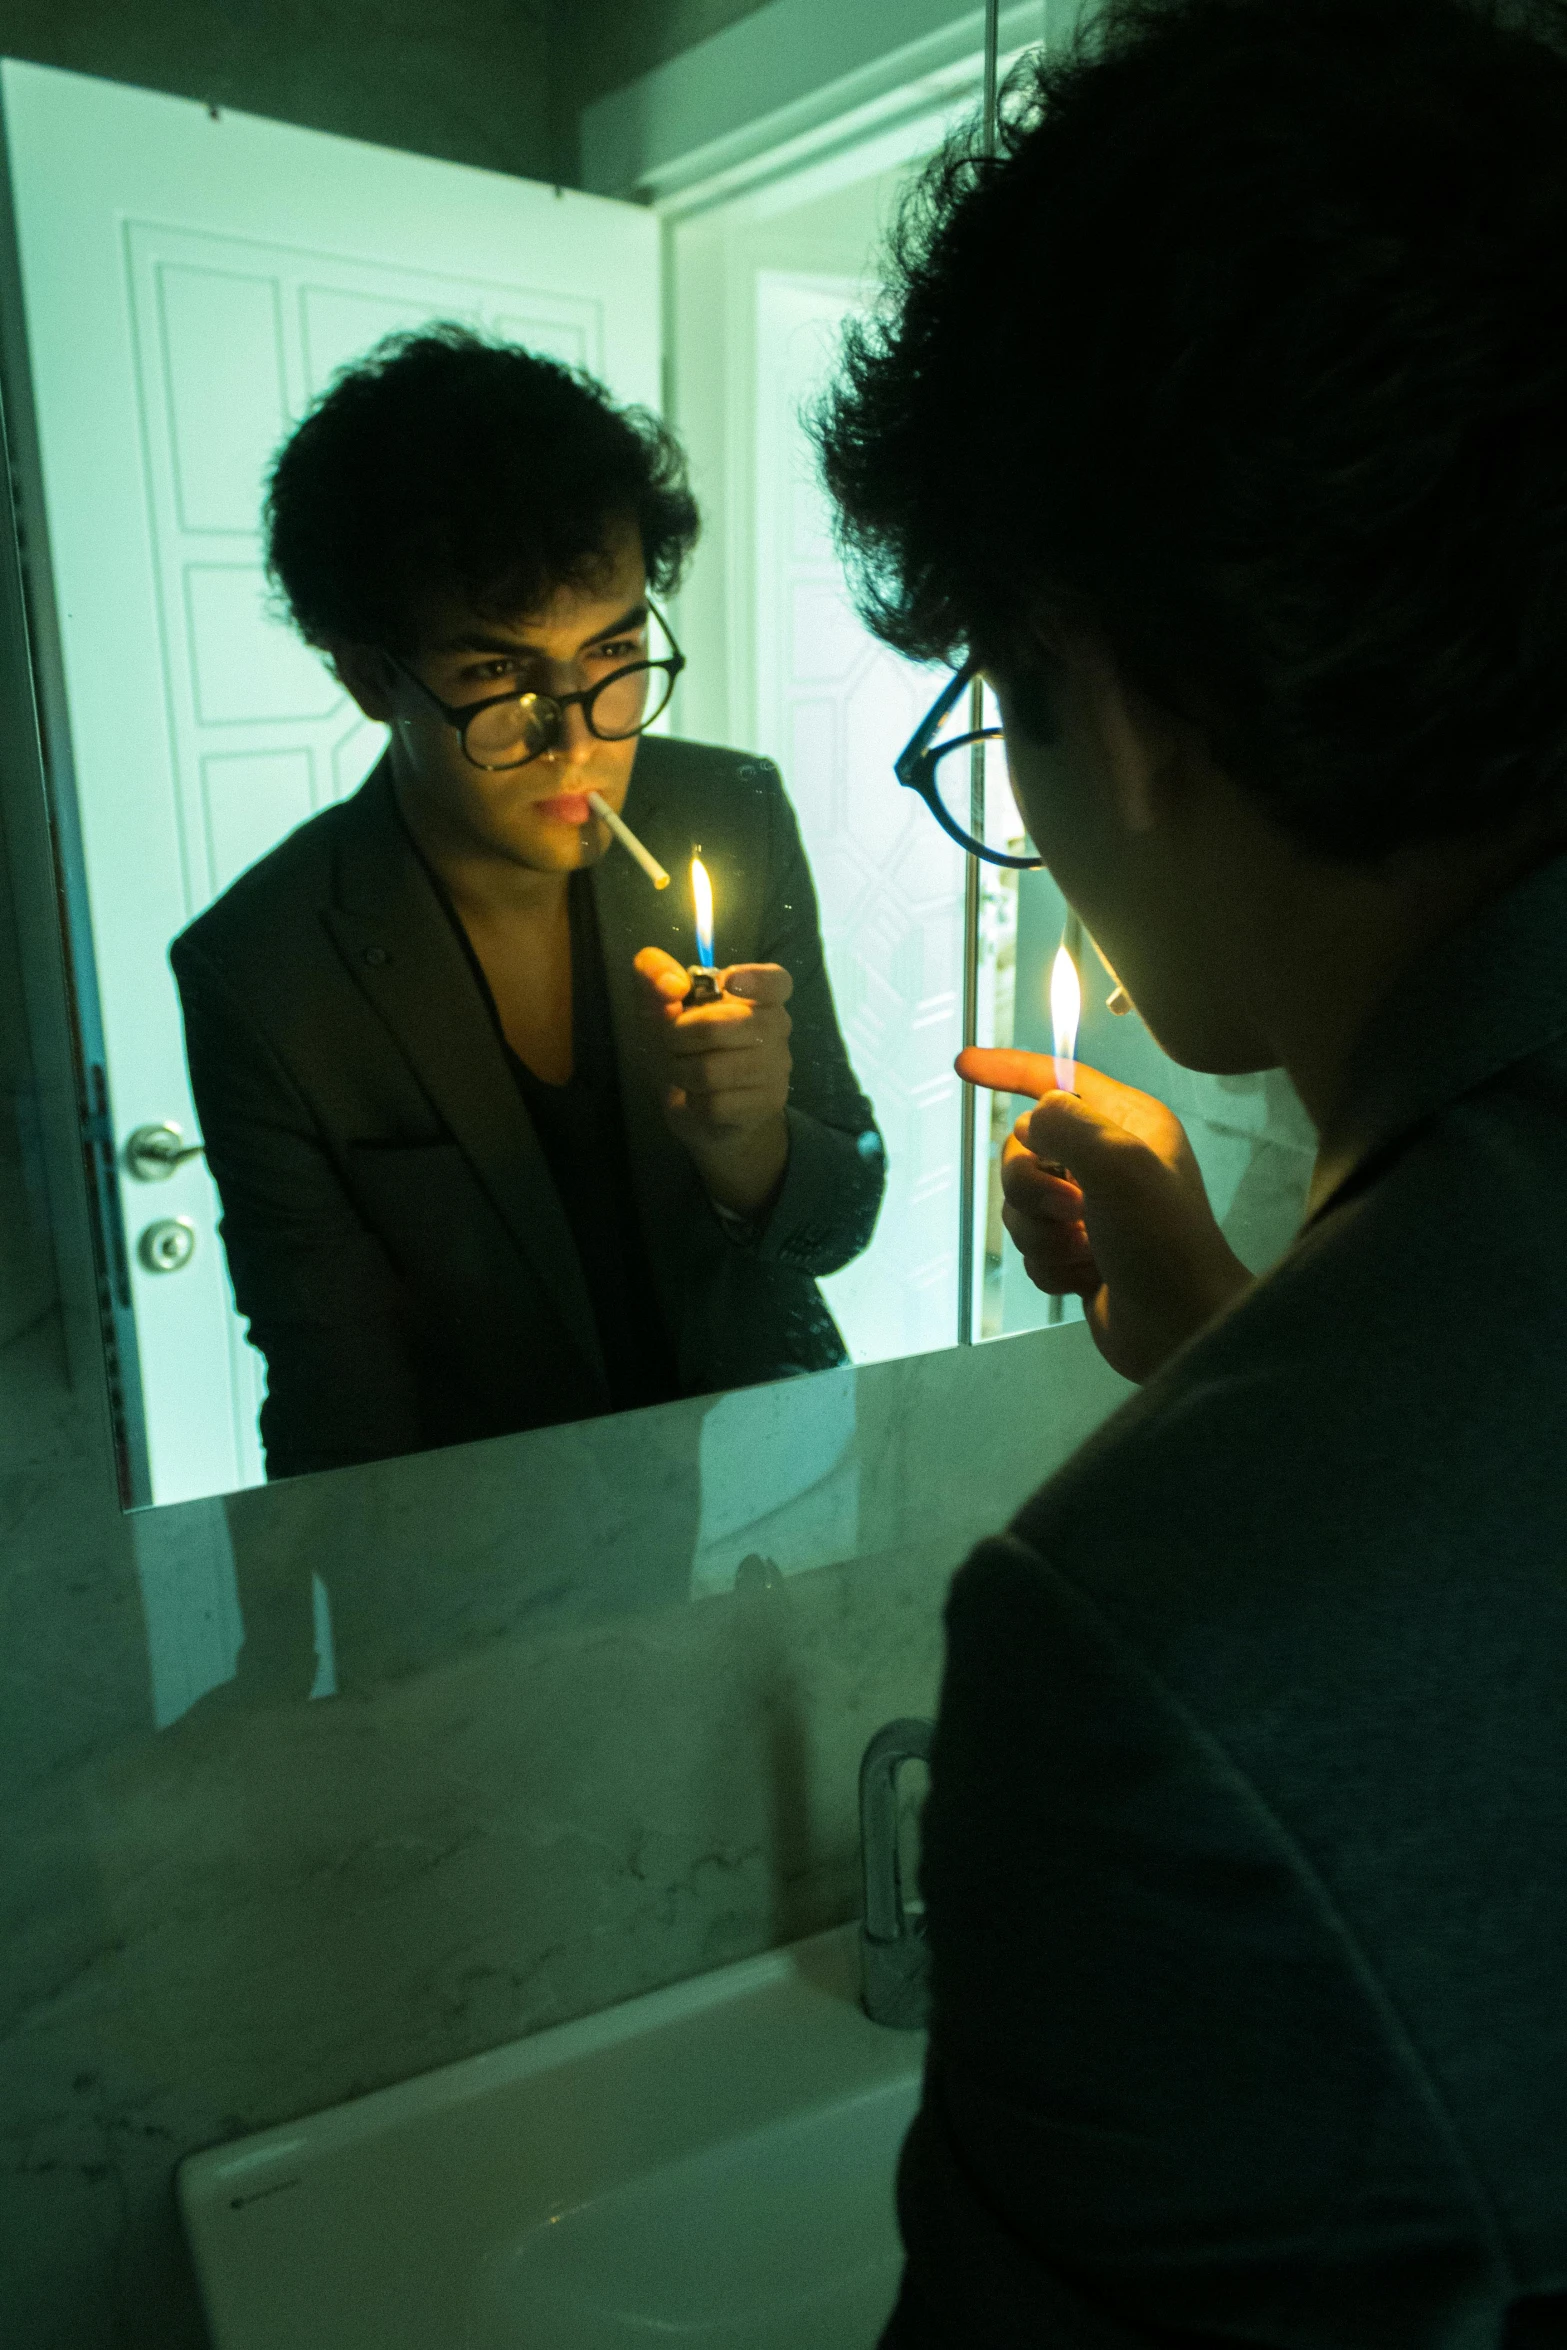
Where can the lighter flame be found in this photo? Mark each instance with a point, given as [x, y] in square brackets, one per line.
[1066, 1007]
[702, 897]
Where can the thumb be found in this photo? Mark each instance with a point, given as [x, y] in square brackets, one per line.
[1066, 1131]
[665, 978]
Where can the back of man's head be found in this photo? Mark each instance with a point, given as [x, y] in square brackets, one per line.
[448, 466]
[1251, 353]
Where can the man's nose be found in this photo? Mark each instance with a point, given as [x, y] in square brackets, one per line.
[579, 739]
[572, 739]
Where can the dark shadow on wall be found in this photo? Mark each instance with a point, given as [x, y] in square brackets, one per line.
[28, 1290]
[494, 83]
[469, 81]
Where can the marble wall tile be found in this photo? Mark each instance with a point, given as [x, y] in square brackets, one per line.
[585, 1742]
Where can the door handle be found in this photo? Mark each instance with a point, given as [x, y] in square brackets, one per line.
[153, 1152]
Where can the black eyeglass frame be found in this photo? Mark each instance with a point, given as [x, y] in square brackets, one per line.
[915, 764]
[461, 715]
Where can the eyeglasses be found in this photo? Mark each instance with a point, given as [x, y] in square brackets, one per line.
[942, 773]
[508, 730]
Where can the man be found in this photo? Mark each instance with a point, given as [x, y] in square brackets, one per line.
[482, 1168]
[1221, 422]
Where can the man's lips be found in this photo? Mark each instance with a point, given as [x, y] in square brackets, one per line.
[569, 807]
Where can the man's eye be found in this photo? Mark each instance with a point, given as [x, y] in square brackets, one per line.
[622, 649]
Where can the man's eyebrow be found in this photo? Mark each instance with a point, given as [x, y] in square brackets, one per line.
[476, 640]
[634, 616]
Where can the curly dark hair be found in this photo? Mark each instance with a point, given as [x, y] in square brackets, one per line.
[1249, 351]
[445, 461]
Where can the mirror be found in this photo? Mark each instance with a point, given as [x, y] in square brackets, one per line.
[388, 1155]
[438, 1168]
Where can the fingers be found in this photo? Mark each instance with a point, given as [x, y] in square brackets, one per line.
[730, 1112]
[715, 1076]
[730, 1026]
[1006, 1070]
[1062, 1134]
[1058, 1258]
[1084, 1127]
[1034, 1183]
[1091, 1149]
[743, 985]
[728, 1062]
[758, 983]
[666, 980]
[1044, 1215]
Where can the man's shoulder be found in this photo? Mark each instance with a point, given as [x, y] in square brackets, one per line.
[1343, 1426]
[281, 894]
[1235, 1425]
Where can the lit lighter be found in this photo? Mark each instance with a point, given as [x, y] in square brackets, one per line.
[704, 988]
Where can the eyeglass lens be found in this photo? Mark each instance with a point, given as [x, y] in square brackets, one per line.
[951, 770]
[510, 732]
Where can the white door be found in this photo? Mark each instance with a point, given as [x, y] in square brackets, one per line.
[190, 282]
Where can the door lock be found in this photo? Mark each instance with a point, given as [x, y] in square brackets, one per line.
[154, 1152]
[168, 1245]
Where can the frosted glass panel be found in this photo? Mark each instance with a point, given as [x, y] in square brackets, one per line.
[835, 707]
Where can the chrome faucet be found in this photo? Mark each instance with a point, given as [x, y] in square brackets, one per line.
[894, 1958]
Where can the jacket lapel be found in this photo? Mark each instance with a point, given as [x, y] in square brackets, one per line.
[398, 945]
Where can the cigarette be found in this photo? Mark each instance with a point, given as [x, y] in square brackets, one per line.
[629, 841]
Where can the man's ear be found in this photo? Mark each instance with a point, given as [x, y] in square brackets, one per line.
[364, 672]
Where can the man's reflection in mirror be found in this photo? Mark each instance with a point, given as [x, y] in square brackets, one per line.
[481, 1166]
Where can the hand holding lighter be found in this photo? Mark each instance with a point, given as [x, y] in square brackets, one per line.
[1054, 1166]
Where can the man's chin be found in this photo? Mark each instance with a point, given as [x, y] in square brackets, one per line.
[563, 849]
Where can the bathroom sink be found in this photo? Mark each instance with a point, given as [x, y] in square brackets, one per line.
[709, 2166]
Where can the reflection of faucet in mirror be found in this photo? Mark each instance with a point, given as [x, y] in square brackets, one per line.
[482, 1169]
[894, 1955]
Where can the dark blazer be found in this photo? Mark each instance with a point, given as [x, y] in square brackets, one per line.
[1246, 1844]
[393, 1235]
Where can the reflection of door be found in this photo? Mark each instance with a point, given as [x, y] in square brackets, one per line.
[833, 707]
[190, 282]
[779, 660]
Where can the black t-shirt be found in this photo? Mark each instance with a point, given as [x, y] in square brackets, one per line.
[582, 1133]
